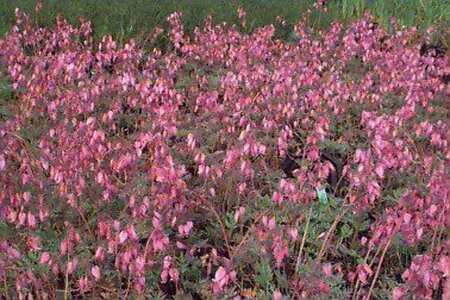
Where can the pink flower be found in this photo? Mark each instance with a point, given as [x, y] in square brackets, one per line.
[22, 218]
[185, 229]
[174, 275]
[169, 271]
[95, 271]
[221, 279]
[379, 170]
[374, 190]
[83, 283]
[71, 265]
[398, 293]
[238, 213]
[123, 236]
[44, 258]
[277, 295]
[293, 234]
[327, 269]
[407, 218]
[277, 197]
[37, 6]
[99, 254]
[279, 249]
[363, 241]
[241, 13]
[31, 220]
[33, 243]
[159, 240]
[2, 162]
[363, 271]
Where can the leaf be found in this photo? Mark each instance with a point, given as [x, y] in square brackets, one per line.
[322, 195]
[264, 274]
[346, 231]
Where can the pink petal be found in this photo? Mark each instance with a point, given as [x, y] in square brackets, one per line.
[95, 271]
[45, 257]
[220, 274]
[277, 295]
[327, 269]
[2, 162]
[379, 170]
[407, 218]
[123, 236]
[398, 293]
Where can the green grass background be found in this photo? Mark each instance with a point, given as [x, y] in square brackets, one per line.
[137, 18]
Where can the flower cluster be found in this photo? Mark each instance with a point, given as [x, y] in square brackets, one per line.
[128, 170]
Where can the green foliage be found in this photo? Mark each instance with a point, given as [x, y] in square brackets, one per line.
[322, 196]
[137, 18]
[264, 275]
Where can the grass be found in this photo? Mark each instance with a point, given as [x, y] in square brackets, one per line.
[137, 18]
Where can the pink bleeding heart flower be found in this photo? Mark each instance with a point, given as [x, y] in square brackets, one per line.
[95, 271]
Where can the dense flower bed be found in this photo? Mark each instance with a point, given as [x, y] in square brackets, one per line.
[201, 170]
